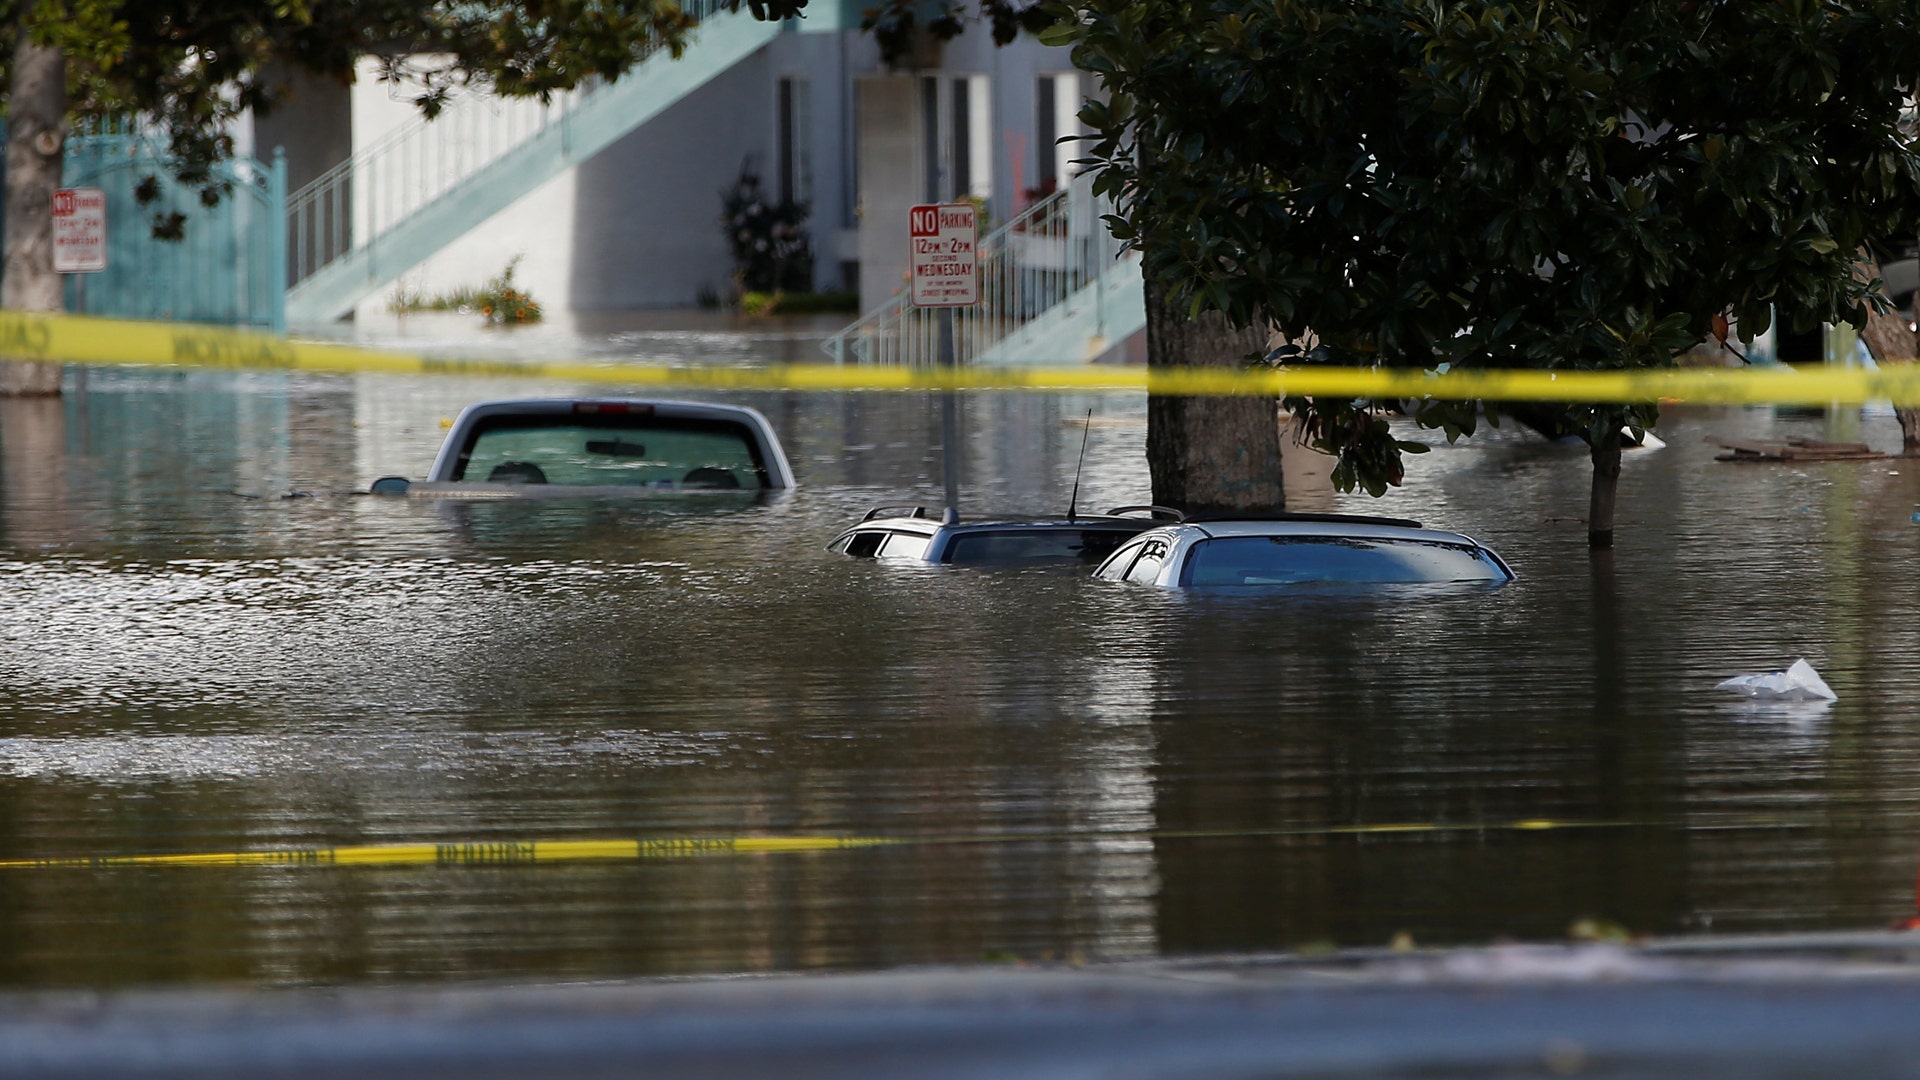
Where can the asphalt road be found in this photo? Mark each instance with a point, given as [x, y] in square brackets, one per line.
[1833, 1005]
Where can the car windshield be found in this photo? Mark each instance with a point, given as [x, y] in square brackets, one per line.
[1284, 560]
[1035, 546]
[623, 450]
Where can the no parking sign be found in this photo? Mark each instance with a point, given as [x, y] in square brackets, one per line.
[79, 230]
[945, 256]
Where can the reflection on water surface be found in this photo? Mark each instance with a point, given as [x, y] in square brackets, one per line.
[191, 660]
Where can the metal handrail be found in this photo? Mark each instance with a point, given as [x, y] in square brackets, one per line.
[1055, 251]
[351, 205]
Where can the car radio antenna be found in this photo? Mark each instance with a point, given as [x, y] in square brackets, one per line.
[1074, 499]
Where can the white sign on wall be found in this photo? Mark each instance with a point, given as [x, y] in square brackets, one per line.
[945, 255]
[79, 230]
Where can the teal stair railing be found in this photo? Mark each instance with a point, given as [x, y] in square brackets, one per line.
[1055, 288]
[361, 225]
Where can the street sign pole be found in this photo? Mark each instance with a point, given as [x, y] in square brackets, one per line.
[946, 274]
[949, 424]
[79, 249]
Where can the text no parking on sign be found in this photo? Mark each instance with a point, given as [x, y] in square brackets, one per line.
[945, 259]
[79, 230]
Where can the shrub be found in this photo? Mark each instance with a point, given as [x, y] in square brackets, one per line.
[771, 251]
[498, 301]
[504, 305]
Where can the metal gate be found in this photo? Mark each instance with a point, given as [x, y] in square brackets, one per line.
[229, 265]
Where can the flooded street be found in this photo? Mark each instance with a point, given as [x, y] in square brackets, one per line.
[209, 643]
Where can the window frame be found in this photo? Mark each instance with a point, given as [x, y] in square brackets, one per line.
[621, 422]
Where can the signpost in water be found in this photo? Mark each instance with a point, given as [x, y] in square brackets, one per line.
[945, 258]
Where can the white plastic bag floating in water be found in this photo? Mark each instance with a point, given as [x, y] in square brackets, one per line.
[1798, 683]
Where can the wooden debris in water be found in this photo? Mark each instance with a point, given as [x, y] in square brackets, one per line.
[1793, 449]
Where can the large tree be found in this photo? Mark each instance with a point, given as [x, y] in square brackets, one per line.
[1891, 340]
[1544, 184]
[192, 67]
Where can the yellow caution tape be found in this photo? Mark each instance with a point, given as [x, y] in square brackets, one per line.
[513, 853]
[84, 340]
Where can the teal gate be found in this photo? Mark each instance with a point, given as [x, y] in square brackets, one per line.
[229, 265]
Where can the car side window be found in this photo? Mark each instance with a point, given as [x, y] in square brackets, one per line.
[1146, 569]
[904, 546]
[862, 545]
[1115, 568]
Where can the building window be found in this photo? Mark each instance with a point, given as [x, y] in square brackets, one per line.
[962, 144]
[958, 142]
[795, 150]
[931, 140]
[1056, 107]
[973, 140]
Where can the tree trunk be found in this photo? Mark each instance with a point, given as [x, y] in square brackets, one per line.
[36, 139]
[1891, 342]
[1606, 485]
[1209, 454]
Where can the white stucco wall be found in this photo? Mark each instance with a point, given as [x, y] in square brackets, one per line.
[637, 226]
[536, 229]
[647, 213]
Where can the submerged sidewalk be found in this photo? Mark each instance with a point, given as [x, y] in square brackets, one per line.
[1839, 1004]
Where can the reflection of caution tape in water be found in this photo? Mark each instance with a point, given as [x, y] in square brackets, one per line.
[79, 340]
[477, 853]
[511, 853]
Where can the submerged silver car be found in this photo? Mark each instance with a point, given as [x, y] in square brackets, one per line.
[1295, 549]
[605, 446]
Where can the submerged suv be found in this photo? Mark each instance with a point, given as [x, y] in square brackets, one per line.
[1299, 549]
[911, 534]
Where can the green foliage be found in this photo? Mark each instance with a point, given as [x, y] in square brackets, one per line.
[893, 22]
[409, 300]
[1572, 184]
[771, 249]
[756, 305]
[499, 301]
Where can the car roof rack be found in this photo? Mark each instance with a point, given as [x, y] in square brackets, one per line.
[894, 511]
[1340, 519]
[1153, 511]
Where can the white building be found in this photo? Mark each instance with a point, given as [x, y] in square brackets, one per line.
[624, 212]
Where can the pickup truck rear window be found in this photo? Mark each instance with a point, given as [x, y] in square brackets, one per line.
[621, 450]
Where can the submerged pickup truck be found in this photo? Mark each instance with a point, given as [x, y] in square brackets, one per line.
[535, 447]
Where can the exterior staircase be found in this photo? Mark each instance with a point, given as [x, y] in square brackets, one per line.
[361, 225]
[1055, 288]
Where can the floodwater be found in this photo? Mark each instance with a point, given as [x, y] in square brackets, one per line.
[208, 643]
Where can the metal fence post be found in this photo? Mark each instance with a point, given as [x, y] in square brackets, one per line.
[277, 241]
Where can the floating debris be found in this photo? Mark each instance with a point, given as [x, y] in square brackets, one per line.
[1798, 683]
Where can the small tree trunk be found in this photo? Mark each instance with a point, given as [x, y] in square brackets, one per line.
[36, 138]
[1891, 342]
[1909, 417]
[1606, 485]
[1209, 454]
